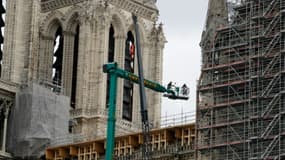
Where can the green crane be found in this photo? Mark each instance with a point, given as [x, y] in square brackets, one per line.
[115, 73]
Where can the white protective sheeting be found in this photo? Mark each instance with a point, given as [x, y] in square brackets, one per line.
[38, 117]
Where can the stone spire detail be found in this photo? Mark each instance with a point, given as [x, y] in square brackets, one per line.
[217, 16]
[217, 12]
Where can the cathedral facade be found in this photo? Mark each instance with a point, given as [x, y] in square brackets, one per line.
[61, 45]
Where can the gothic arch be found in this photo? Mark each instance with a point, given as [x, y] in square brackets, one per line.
[72, 19]
[72, 32]
[142, 31]
[132, 109]
[51, 23]
[118, 25]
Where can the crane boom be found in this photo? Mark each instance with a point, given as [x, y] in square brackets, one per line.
[146, 150]
[112, 67]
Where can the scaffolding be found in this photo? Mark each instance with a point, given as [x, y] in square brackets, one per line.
[166, 144]
[241, 103]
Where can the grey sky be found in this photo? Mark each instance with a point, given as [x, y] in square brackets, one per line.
[183, 24]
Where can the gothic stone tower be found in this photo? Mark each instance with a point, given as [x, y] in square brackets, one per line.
[64, 44]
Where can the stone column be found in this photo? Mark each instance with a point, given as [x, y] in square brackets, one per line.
[120, 59]
[158, 73]
[101, 55]
[46, 58]
[6, 114]
[158, 78]
[67, 68]
[9, 40]
[95, 53]
[82, 74]
[19, 62]
[35, 41]
[82, 70]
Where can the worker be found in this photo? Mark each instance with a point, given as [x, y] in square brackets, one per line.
[169, 85]
[185, 90]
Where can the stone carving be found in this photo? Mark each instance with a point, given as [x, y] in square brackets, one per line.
[48, 5]
[147, 10]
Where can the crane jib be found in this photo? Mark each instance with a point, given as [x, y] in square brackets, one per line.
[134, 78]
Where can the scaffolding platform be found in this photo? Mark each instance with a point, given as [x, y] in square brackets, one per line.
[167, 142]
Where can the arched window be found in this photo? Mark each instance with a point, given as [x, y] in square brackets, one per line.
[128, 85]
[111, 49]
[74, 69]
[57, 59]
[111, 54]
[2, 24]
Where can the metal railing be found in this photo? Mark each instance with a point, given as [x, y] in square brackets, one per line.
[177, 119]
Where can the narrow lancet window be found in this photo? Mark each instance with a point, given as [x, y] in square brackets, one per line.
[111, 53]
[2, 25]
[74, 69]
[128, 85]
[57, 59]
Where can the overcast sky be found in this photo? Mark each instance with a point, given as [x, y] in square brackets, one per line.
[183, 24]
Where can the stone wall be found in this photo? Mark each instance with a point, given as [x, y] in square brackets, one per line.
[29, 44]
